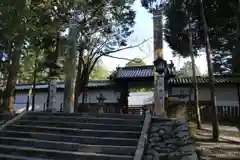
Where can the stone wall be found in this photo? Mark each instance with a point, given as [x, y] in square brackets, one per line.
[169, 140]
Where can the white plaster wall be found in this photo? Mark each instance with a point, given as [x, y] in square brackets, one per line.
[110, 95]
[225, 95]
[41, 98]
[178, 90]
[20, 100]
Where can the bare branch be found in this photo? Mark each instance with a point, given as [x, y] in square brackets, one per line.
[121, 49]
[126, 59]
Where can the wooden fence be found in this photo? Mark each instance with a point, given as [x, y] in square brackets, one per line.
[225, 113]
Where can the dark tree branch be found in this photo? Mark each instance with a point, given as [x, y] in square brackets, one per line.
[126, 59]
[121, 49]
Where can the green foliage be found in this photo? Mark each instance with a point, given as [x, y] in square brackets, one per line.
[140, 89]
[136, 62]
[28, 64]
[186, 70]
[177, 27]
[222, 20]
[152, 5]
[99, 72]
[221, 62]
[31, 33]
[102, 31]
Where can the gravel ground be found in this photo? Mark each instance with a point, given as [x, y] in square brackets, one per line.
[226, 149]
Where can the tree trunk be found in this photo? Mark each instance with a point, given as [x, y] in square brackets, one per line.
[78, 82]
[49, 75]
[70, 72]
[34, 81]
[215, 124]
[84, 86]
[236, 53]
[195, 87]
[12, 80]
[83, 95]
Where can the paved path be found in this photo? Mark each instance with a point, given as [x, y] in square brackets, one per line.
[222, 128]
[230, 133]
[227, 148]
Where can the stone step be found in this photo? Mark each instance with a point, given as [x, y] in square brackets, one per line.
[117, 127]
[57, 154]
[101, 120]
[75, 131]
[70, 138]
[86, 115]
[11, 157]
[68, 146]
[2, 122]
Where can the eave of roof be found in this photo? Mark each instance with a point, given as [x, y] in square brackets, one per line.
[60, 85]
[204, 80]
[147, 72]
[134, 72]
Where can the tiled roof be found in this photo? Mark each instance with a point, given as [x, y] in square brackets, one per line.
[91, 84]
[204, 80]
[148, 71]
[135, 72]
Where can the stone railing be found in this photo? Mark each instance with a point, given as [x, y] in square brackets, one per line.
[142, 143]
[169, 139]
[11, 121]
[4, 117]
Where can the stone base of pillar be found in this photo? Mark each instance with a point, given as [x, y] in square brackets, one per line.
[51, 110]
[101, 110]
[161, 115]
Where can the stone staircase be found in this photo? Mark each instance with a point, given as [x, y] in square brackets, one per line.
[78, 136]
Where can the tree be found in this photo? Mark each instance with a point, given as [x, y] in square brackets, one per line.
[187, 71]
[31, 62]
[182, 40]
[34, 26]
[210, 73]
[223, 26]
[236, 53]
[221, 63]
[136, 62]
[178, 32]
[101, 35]
[4, 63]
[14, 25]
[99, 72]
[178, 36]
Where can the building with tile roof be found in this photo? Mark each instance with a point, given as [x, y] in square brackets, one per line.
[227, 88]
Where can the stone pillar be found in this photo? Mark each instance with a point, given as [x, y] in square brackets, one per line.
[161, 96]
[158, 52]
[52, 94]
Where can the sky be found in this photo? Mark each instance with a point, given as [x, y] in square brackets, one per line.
[143, 30]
